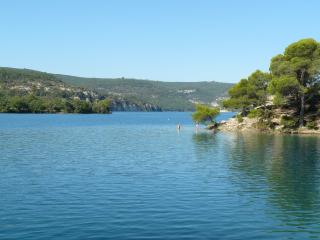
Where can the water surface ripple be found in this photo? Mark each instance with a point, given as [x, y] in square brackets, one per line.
[133, 176]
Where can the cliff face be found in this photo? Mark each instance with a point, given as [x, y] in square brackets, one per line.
[123, 105]
[169, 96]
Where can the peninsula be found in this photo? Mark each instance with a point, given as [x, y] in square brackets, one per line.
[286, 99]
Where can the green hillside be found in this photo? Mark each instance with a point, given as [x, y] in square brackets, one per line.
[169, 96]
[28, 91]
[21, 82]
[124, 94]
[25, 90]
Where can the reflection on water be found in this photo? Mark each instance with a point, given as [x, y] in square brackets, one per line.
[204, 138]
[282, 168]
[133, 176]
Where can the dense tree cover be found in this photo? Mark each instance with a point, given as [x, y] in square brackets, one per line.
[205, 114]
[250, 92]
[169, 96]
[293, 81]
[126, 94]
[102, 106]
[9, 75]
[35, 104]
[296, 75]
[28, 91]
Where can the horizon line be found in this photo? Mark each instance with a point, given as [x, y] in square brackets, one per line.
[116, 78]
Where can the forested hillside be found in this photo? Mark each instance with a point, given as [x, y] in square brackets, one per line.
[169, 96]
[24, 90]
[28, 91]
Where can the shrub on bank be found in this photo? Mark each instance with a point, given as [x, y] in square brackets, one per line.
[289, 122]
[255, 113]
[312, 125]
[239, 118]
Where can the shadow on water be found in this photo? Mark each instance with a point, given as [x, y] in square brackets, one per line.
[283, 167]
[205, 143]
[294, 174]
[203, 138]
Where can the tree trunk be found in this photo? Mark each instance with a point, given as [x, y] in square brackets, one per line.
[302, 100]
[301, 117]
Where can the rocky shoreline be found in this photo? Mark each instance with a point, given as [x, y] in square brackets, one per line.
[252, 124]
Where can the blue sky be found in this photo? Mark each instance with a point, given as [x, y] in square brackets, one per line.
[167, 40]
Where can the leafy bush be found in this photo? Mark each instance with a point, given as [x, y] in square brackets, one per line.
[265, 124]
[279, 100]
[18, 104]
[239, 118]
[255, 113]
[102, 106]
[312, 125]
[82, 106]
[289, 122]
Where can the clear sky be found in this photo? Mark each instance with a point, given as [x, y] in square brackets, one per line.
[168, 40]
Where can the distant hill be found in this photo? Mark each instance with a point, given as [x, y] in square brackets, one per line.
[25, 82]
[125, 94]
[169, 96]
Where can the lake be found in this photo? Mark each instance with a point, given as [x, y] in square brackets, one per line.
[134, 176]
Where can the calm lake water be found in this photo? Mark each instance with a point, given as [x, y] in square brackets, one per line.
[133, 176]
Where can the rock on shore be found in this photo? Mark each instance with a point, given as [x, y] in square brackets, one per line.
[233, 125]
[251, 124]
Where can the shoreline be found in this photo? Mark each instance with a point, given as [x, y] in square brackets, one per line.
[250, 125]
